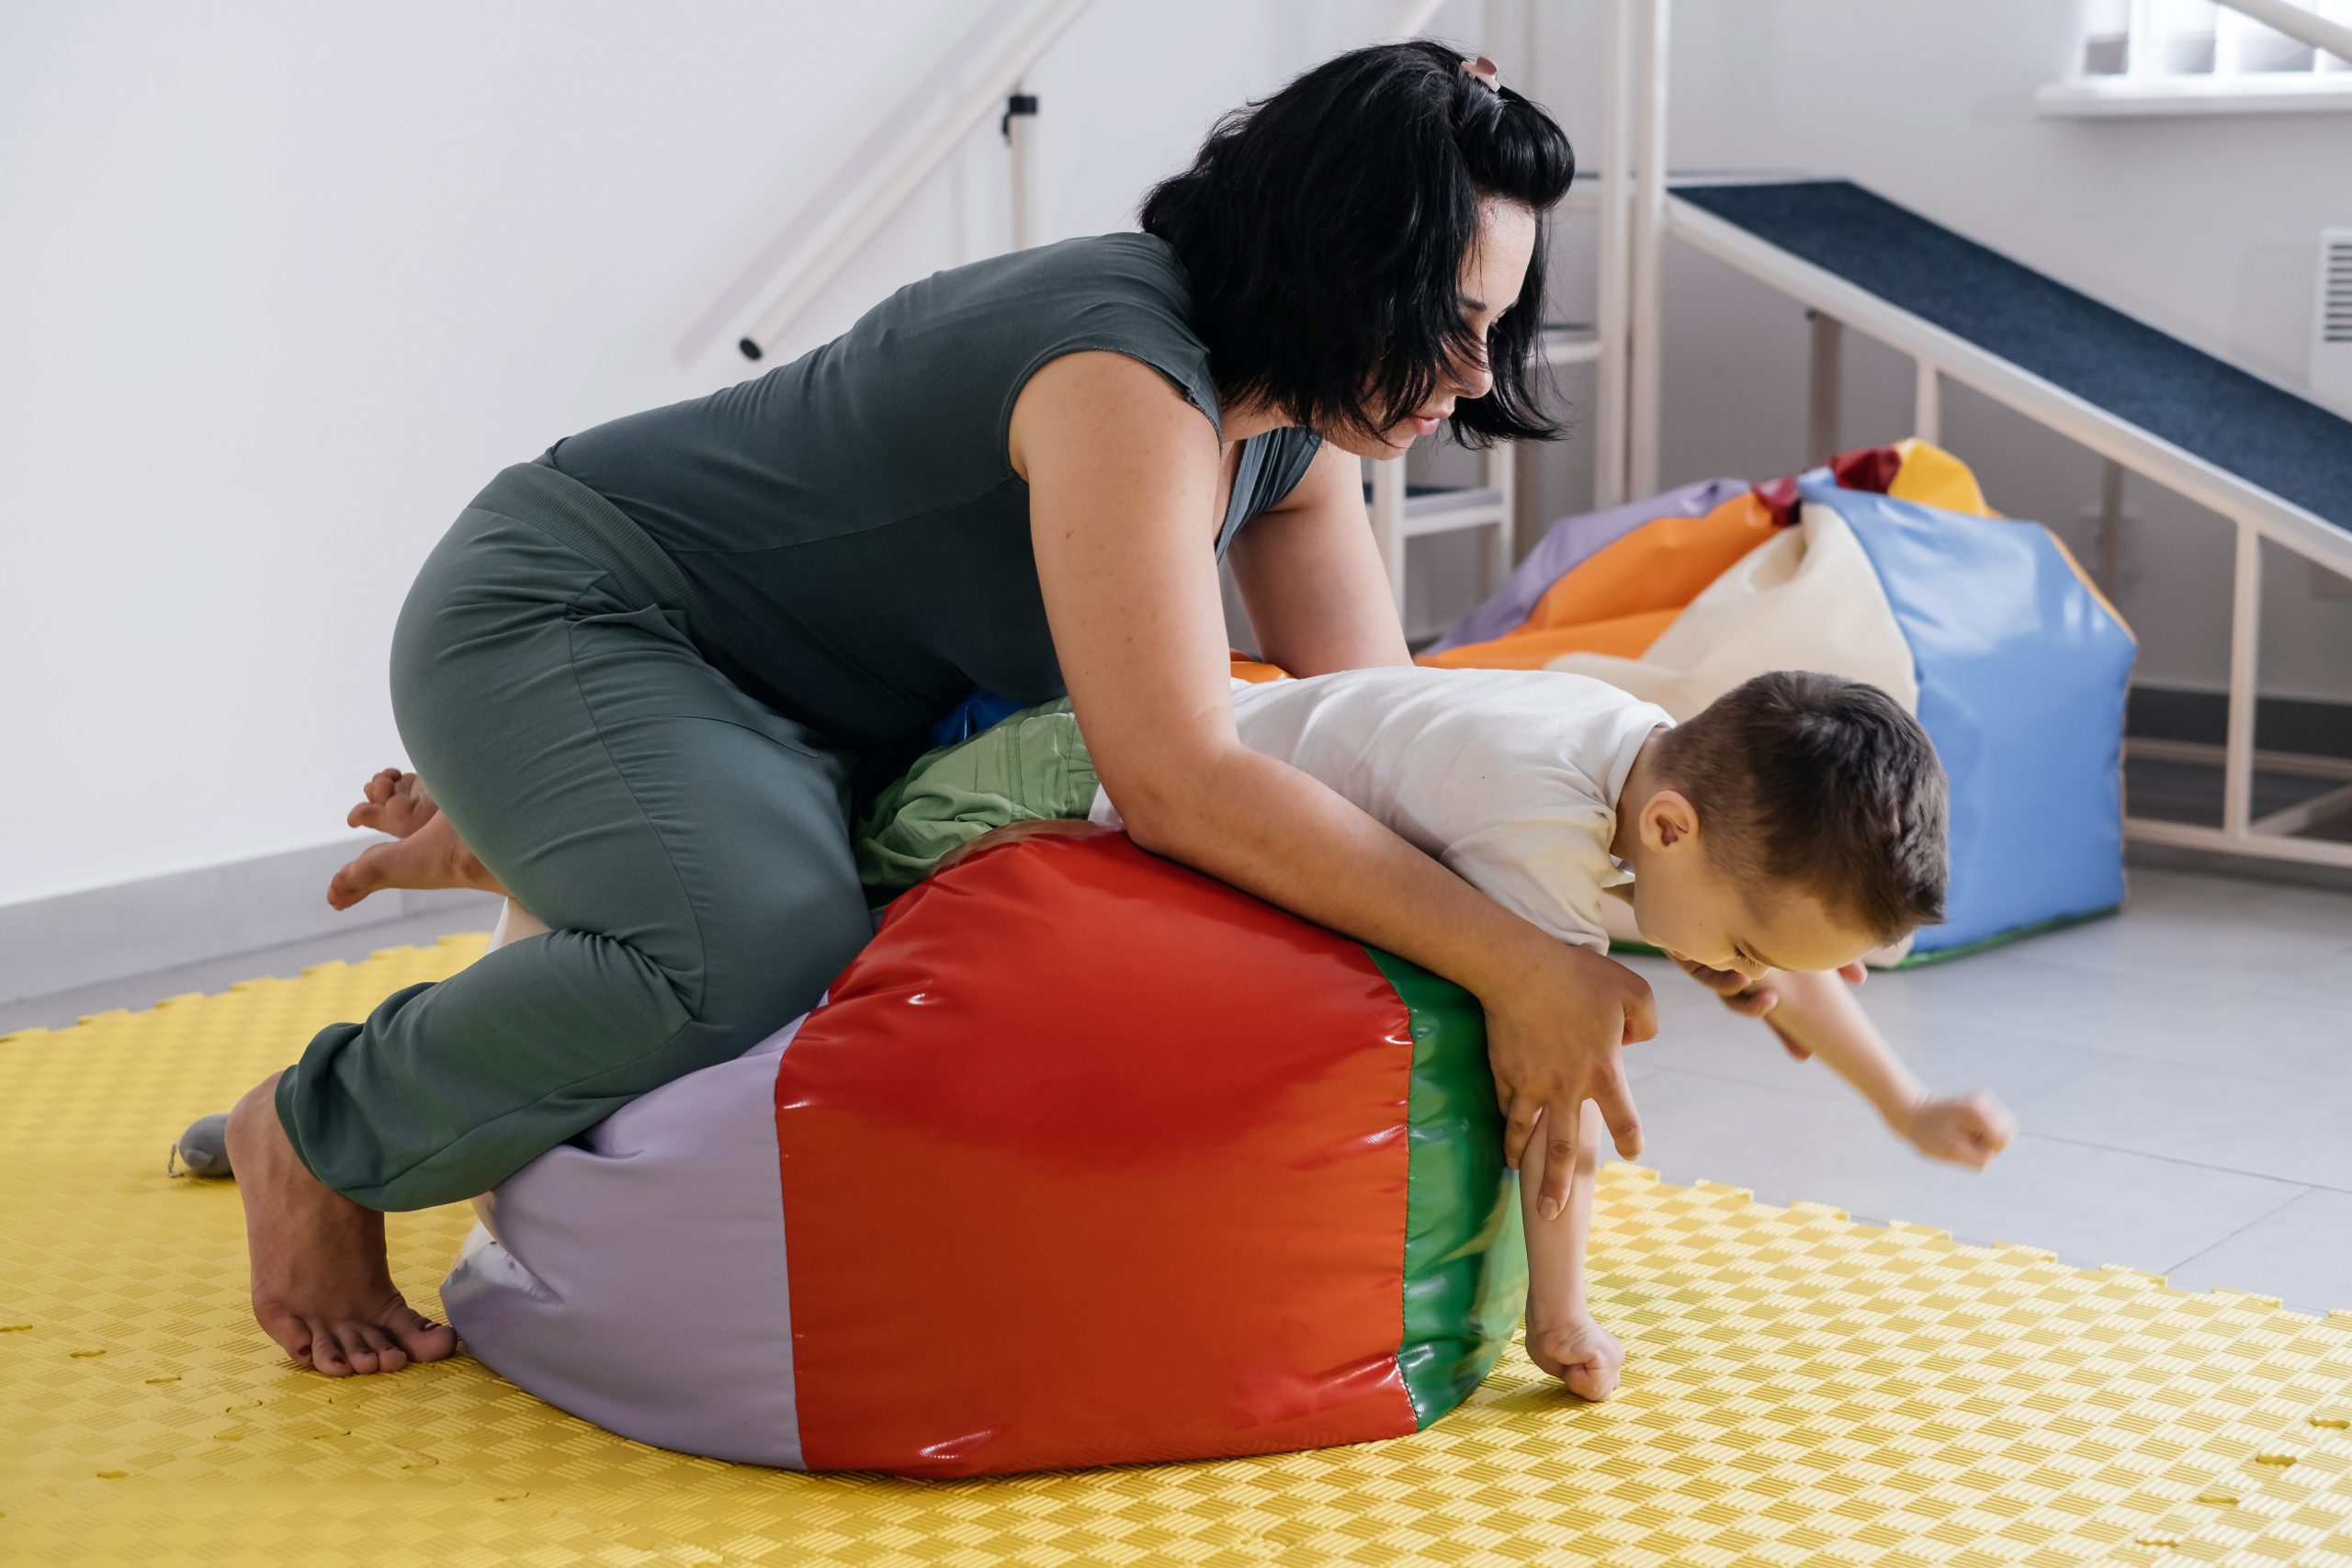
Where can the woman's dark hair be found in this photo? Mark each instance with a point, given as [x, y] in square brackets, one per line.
[1324, 230]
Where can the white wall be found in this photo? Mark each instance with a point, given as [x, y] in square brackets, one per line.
[282, 285]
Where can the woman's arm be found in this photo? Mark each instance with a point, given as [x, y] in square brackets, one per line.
[1123, 478]
[1312, 578]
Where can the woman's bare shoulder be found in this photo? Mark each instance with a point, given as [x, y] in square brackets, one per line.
[1076, 403]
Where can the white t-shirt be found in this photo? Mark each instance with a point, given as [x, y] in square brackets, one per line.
[1509, 776]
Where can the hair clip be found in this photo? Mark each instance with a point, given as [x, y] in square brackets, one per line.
[1481, 71]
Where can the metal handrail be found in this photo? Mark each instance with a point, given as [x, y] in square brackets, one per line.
[805, 225]
[888, 189]
[2297, 23]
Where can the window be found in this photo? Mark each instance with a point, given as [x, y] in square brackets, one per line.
[2194, 56]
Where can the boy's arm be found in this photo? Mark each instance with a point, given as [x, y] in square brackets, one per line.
[1562, 1338]
[1555, 1248]
[1818, 1013]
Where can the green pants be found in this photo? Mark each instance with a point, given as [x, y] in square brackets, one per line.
[689, 846]
[1030, 766]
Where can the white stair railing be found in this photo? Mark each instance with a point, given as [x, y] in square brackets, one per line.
[2298, 23]
[1612, 394]
[871, 201]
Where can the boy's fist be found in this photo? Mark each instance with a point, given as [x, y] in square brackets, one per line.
[1966, 1130]
[1579, 1352]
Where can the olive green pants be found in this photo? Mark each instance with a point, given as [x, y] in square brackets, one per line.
[688, 846]
[1029, 766]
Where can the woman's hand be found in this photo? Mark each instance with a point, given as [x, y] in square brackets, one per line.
[1556, 1027]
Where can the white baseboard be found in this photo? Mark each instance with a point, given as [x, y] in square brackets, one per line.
[164, 922]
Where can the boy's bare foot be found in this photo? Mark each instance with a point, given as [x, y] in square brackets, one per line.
[1578, 1351]
[431, 856]
[397, 803]
[320, 1286]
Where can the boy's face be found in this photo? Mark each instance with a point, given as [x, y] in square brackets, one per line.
[1688, 906]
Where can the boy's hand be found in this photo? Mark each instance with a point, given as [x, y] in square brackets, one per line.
[1757, 999]
[1745, 998]
[1966, 1130]
[1578, 1351]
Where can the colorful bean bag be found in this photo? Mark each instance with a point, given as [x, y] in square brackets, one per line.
[1885, 566]
[1086, 1159]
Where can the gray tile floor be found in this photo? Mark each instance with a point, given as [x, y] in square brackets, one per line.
[2182, 1075]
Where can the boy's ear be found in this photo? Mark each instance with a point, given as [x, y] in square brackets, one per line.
[1669, 819]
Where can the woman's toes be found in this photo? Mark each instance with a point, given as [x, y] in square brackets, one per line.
[326, 1355]
[390, 1357]
[396, 804]
[359, 878]
[357, 1352]
[291, 1333]
[420, 1337]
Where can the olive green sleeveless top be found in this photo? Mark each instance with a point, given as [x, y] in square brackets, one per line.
[852, 520]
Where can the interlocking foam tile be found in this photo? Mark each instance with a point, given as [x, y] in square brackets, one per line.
[1800, 1388]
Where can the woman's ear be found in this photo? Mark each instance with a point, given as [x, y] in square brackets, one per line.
[1669, 820]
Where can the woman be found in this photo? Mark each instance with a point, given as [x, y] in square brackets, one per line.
[646, 674]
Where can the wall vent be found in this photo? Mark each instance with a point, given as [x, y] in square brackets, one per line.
[2332, 323]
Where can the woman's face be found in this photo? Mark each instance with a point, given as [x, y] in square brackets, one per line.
[1491, 275]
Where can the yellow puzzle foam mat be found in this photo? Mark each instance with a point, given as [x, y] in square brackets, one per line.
[1799, 1389]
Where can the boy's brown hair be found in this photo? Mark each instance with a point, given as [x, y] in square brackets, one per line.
[1823, 781]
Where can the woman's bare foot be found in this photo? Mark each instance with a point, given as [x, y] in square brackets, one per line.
[431, 856]
[397, 803]
[320, 1285]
